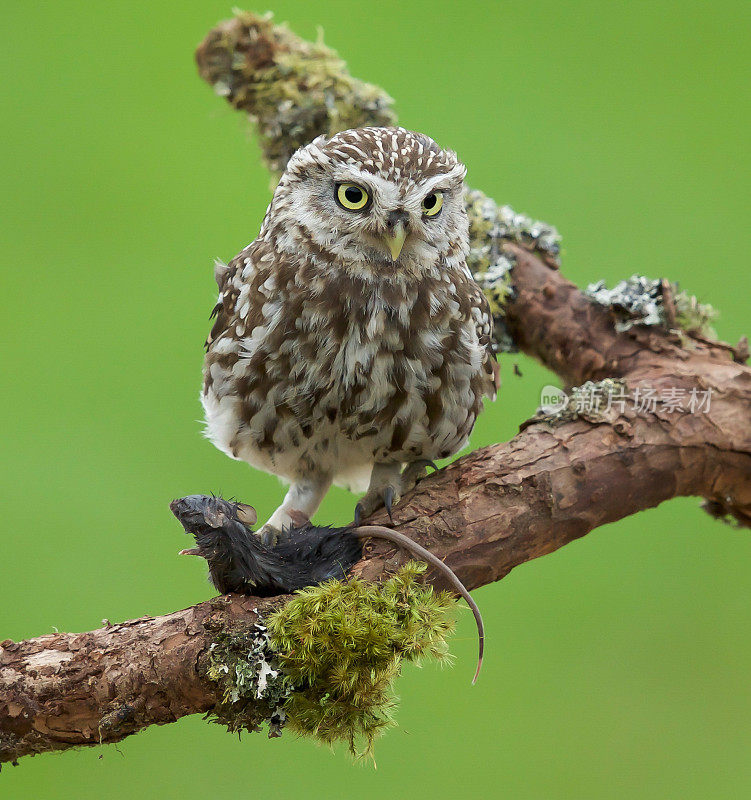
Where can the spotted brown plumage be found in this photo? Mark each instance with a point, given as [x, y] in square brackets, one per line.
[350, 342]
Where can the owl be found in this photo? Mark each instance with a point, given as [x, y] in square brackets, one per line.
[350, 344]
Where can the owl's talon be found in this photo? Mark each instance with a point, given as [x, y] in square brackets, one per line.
[421, 464]
[388, 501]
[386, 496]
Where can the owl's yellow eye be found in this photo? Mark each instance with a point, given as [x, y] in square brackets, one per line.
[432, 204]
[351, 196]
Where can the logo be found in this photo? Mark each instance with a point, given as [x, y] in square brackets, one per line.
[553, 400]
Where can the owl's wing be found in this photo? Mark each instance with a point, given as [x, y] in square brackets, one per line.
[229, 282]
[484, 326]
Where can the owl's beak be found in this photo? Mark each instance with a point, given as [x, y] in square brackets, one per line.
[395, 239]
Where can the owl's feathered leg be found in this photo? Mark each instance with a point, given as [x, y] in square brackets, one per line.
[385, 489]
[302, 499]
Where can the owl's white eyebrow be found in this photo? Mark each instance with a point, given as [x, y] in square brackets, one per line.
[438, 183]
[352, 175]
[456, 173]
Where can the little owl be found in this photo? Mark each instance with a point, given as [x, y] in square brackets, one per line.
[351, 344]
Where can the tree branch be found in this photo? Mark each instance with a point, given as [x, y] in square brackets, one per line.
[562, 476]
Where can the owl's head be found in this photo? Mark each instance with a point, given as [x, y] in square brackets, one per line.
[377, 200]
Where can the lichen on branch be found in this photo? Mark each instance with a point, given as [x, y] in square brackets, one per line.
[253, 688]
[644, 301]
[490, 227]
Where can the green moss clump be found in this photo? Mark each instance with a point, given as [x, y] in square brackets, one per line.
[292, 89]
[342, 643]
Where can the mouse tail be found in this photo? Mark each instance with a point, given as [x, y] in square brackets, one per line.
[380, 532]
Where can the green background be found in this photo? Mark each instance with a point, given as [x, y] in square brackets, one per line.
[615, 668]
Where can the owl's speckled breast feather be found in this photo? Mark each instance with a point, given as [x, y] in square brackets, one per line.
[310, 367]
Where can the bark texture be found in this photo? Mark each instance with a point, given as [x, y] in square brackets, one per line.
[558, 479]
